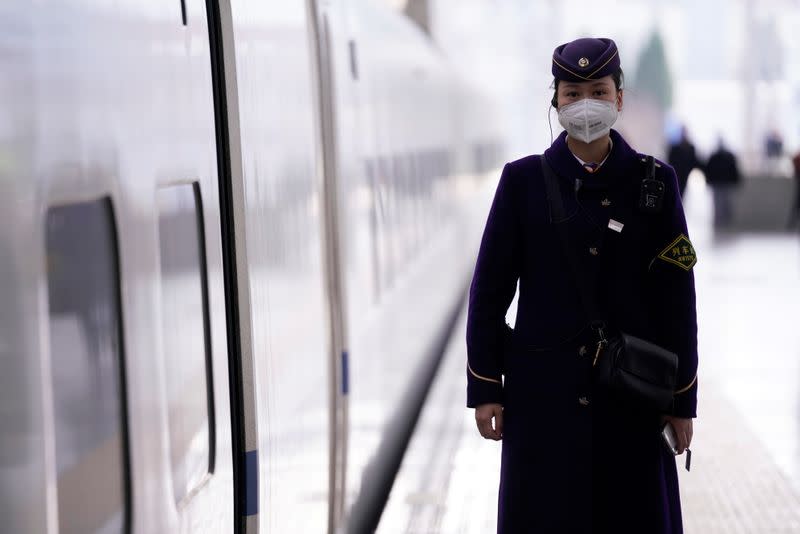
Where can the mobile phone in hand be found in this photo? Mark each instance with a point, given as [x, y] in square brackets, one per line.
[670, 439]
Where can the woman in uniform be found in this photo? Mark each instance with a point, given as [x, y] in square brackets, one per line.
[576, 458]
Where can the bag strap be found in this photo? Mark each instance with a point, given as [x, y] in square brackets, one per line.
[584, 281]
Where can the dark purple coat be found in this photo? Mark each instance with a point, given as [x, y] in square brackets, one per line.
[576, 460]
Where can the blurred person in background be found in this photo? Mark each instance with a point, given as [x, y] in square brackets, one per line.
[773, 151]
[683, 159]
[722, 175]
[577, 457]
[794, 214]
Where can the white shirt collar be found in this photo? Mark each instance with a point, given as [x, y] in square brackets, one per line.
[610, 148]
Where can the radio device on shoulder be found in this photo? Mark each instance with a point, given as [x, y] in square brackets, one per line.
[651, 197]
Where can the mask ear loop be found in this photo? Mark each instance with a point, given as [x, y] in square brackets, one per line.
[553, 105]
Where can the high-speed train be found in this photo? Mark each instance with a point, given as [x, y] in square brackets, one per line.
[234, 235]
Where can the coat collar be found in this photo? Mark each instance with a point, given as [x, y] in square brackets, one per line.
[615, 172]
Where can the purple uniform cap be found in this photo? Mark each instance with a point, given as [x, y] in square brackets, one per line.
[585, 60]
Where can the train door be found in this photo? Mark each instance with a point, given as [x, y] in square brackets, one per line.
[327, 27]
[192, 316]
[244, 430]
[278, 228]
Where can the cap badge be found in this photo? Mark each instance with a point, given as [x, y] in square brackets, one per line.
[583, 62]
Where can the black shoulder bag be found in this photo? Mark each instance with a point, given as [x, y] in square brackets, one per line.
[625, 364]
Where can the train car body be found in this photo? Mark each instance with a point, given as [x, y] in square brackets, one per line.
[232, 236]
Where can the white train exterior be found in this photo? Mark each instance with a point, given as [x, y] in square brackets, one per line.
[233, 237]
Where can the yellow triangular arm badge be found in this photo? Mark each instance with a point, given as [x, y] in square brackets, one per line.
[680, 252]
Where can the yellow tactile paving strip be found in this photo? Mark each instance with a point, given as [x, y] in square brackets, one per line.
[734, 485]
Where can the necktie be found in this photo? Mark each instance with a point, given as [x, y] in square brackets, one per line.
[591, 167]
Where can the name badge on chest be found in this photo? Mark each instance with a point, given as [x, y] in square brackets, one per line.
[615, 225]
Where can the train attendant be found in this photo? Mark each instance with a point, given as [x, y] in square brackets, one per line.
[577, 456]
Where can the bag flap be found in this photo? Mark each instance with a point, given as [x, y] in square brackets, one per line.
[648, 361]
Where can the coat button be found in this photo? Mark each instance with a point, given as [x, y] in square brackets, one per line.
[583, 351]
[593, 251]
[583, 401]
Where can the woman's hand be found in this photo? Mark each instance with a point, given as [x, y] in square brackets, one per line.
[683, 431]
[483, 417]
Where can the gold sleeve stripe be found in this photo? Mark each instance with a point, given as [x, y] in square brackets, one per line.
[476, 375]
[687, 388]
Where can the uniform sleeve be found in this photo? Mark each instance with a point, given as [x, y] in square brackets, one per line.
[493, 286]
[671, 273]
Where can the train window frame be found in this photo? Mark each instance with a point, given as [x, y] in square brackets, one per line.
[104, 205]
[202, 271]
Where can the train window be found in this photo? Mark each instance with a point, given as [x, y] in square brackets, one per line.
[93, 485]
[185, 334]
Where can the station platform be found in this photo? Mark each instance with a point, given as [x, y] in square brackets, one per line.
[745, 474]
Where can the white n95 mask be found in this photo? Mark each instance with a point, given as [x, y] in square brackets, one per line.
[588, 119]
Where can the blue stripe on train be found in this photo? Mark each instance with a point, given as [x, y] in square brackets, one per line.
[251, 482]
[345, 373]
